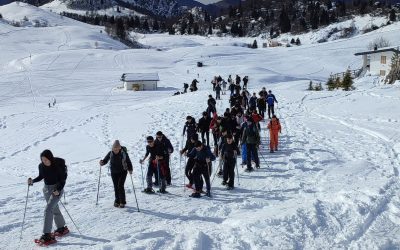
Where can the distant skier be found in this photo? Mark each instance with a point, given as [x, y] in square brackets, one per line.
[156, 164]
[274, 127]
[120, 165]
[229, 151]
[271, 100]
[203, 157]
[251, 137]
[53, 171]
[54, 102]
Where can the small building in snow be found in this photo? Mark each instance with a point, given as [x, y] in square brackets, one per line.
[140, 81]
[377, 61]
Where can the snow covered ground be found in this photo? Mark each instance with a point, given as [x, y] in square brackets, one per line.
[333, 185]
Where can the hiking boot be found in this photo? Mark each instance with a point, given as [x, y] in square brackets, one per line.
[271, 151]
[116, 204]
[229, 188]
[195, 195]
[61, 231]
[148, 191]
[249, 169]
[121, 205]
[46, 238]
[224, 183]
[208, 193]
[162, 190]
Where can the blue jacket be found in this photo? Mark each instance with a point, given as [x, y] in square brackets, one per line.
[271, 99]
[253, 101]
[202, 155]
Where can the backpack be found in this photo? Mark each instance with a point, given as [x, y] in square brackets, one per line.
[61, 162]
[251, 131]
[124, 152]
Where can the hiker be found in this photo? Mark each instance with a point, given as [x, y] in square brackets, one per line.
[218, 91]
[271, 101]
[256, 118]
[238, 80]
[251, 137]
[120, 165]
[53, 171]
[185, 87]
[245, 100]
[245, 81]
[202, 167]
[211, 105]
[221, 143]
[215, 127]
[204, 128]
[229, 152]
[237, 88]
[263, 92]
[214, 82]
[232, 88]
[274, 127]
[253, 102]
[190, 144]
[157, 166]
[262, 105]
[190, 127]
[224, 87]
[167, 148]
[193, 86]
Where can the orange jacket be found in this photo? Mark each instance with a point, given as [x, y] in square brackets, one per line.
[274, 125]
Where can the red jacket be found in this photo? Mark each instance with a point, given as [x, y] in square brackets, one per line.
[256, 117]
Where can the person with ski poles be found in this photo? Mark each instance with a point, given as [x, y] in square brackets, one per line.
[54, 172]
[190, 127]
[120, 165]
[190, 145]
[202, 167]
[271, 100]
[156, 161]
[211, 105]
[251, 137]
[168, 149]
[274, 127]
[228, 154]
[253, 102]
[262, 105]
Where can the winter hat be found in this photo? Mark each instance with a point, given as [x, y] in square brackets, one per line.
[209, 96]
[204, 113]
[159, 133]
[188, 117]
[116, 144]
[150, 138]
[48, 155]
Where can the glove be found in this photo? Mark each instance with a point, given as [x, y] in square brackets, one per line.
[30, 182]
[101, 163]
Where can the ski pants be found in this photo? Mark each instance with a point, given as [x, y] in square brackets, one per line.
[218, 95]
[252, 150]
[271, 110]
[207, 134]
[52, 211]
[201, 169]
[261, 111]
[188, 169]
[158, 170]
[119, 189]
[273, 142]
[229, 171]
[167, 176]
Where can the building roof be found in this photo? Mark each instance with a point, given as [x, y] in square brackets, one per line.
[136, 77]
[394, 49]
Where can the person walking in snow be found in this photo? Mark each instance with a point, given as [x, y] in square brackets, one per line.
[53, 171]
[157, 166]
[185, 87]
[120, 165]
[168, 149]
[251, 137]
[190, 145]
[253, 102]
[271, 100]
[218, 91]
[211, 103]
[204, 128]
[274, 127]
[245, 81]
[262, 105]
[190, 127]
[224, 87]
[228, 154]
[202, 168]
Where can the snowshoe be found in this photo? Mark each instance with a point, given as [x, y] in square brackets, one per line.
[195, 195]
[45, 240]
[148, 191]
[59, 232]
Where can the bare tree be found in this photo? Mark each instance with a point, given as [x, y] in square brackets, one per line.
[379, 42]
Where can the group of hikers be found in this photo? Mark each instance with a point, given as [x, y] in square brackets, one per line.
[235, 133]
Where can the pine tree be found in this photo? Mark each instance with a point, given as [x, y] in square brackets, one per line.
[254, 46]
[120, 29]
[394, 73]
[331, 84]
[292, 41]
[338, 83]
[347, 82]
[392, 15]
[298, 43]
[210, 30]
[284, 21]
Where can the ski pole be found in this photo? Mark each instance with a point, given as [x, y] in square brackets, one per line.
[141, 167]
[70, 217]
[264, 159]
[209, 176]
[158, 171]
[26, 204]
[98, 187]
[65, 201]
[237, 171]
[134, 192]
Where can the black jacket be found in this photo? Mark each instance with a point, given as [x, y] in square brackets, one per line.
[53, 175]
[190, 128]
[165, 145]
[204, 124]
[154, 151]
[228, 151]
[116, 161]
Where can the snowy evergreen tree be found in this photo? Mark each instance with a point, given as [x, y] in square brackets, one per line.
[331, 84]
[392, 15]
[254, 46]
[347, 82]
[394, 73]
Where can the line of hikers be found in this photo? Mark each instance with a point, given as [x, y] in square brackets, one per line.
[239, 126]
